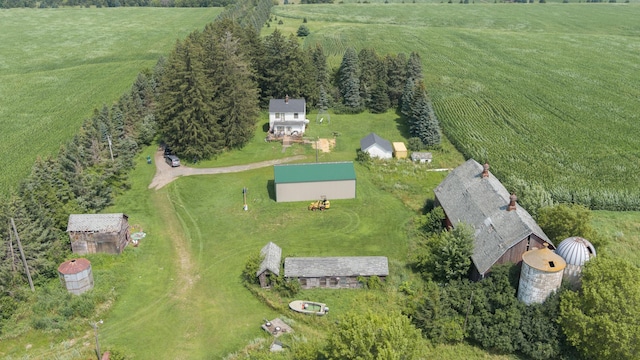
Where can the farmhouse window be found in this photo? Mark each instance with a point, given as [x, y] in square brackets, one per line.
[278, 115]
[295, 115]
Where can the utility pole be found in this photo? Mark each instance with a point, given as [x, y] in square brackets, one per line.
[95, 331]
[110, 150]
[13, 257]
[24, 259]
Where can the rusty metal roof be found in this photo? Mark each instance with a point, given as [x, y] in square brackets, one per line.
[544, 259]
[96, 222]
[74, 266]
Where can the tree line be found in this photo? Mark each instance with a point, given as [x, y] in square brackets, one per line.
[217, 80]
[8, 4]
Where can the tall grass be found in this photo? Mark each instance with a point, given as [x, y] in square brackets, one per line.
[57, 65]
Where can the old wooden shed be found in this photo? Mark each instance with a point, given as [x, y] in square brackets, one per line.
[98, 233]
[271, 257]
[335, 272]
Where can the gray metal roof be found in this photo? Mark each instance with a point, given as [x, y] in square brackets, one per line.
[336, 266]
[291, 106]
[482, 203]
[96, 222]
[416, 155]
[272, 254]
[373, 139]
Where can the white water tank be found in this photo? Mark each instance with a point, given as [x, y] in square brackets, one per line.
[540, 276]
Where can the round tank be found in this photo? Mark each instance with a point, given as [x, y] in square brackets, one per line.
[575, 251]
[540, 276]
[76, 275]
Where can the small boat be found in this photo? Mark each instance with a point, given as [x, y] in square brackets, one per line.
[309, 307]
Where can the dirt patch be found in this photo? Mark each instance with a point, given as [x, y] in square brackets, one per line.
[324, 145]
[165, 174]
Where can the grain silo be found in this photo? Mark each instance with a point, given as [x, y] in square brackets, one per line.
[76, 275]
[575, 251]
[540, 276]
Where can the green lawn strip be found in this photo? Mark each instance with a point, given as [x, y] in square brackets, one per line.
[624, 230]
[57, 65]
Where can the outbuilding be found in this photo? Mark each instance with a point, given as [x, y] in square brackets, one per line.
[98, 233]
[376, 146]
[399, 150]
[421, 157]
[271, 256]
[76, 275]
[503, 230]
[335, 272]
[313, 181]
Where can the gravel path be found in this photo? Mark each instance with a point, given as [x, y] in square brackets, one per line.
[165, 174]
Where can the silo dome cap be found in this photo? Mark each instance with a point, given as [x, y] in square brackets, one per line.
[576, 250]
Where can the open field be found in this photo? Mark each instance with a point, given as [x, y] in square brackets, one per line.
[182, 298]
[546, 93]
[57, 65]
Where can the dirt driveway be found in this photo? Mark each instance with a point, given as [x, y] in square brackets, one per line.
[165, 174]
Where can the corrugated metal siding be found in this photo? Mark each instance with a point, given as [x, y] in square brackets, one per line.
[310, 191]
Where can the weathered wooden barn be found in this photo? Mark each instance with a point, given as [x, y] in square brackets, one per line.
[503, 229]
[98, 233]
[334, 272]
[313, 181]
[271, 257]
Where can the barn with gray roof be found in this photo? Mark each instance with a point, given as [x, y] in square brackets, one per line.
[471, 194]
[271, 257]
[98, 233]
[335, 272]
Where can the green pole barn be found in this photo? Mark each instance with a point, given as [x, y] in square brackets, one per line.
[313, 181]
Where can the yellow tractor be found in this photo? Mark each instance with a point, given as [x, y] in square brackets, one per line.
[321, 205]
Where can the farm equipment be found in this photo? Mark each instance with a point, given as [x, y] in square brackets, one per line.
[321, 205]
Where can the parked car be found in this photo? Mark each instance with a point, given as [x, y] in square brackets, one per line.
[172, 160]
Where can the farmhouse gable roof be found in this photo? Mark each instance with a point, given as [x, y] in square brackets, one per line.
[287, 106]
[336, 266]
[467, 197]
[372, 140]
[96, 223]
[271, 254]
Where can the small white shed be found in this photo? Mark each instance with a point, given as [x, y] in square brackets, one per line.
[376, 146]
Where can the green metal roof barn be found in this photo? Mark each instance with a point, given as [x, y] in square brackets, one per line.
[313, 181]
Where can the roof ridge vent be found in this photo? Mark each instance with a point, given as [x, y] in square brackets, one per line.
[512, 202]
[485, 170]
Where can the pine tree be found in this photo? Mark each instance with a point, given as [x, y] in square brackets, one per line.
[348, 80]
[185, 113]
[414, 67]
[238, 97]
[370, 67]
[421, 122]
[407, 98]
[380, 98]
[396, 77]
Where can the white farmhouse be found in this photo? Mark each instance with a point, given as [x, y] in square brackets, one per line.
[287, 117]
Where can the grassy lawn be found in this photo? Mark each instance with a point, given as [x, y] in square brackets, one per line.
[57, 65]
[624, 230]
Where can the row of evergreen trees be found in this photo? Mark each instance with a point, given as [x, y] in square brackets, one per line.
[84, 177]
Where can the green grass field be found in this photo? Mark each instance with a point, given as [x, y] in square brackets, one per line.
[57, 65]
[182, 297]
[546, 93]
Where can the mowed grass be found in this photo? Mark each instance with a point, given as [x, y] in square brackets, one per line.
[57, 65]
[546, 93]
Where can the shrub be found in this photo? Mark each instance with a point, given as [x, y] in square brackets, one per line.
[303, 31]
